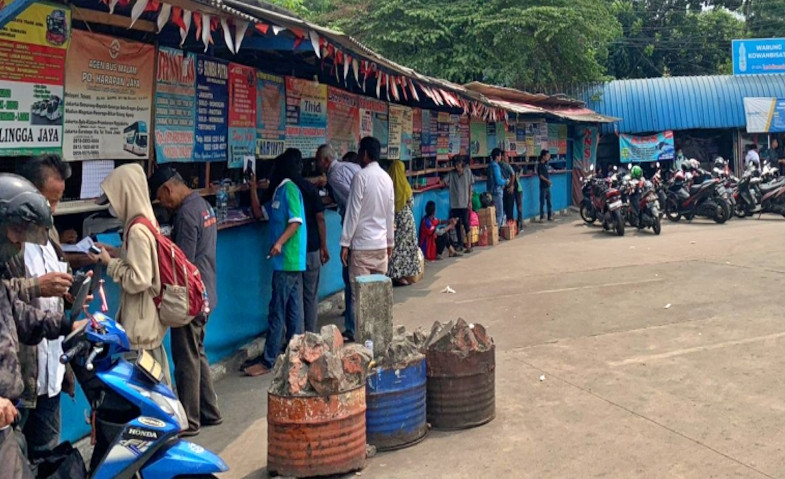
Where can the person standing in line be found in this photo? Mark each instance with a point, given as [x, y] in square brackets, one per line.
[460, 181]
[513, 194]
[405, 261]
[289, 238]
[195, 231]
[41, 277]
[370, 217]
[545, 185]
[495, 184]
[136, 270]
[339, 178]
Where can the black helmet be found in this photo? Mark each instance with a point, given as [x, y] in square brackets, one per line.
[23, 209]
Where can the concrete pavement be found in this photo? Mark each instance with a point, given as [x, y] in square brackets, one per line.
[631, 388]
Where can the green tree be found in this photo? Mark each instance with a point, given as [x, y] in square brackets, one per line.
[528, 44]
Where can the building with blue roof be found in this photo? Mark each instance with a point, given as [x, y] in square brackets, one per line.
[706, 113]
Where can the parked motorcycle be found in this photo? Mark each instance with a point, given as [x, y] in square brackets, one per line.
[644, 211]
[754, 196]
[602, 201]
[136, 419]
[699, 199]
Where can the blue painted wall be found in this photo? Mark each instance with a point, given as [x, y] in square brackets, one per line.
[244, 282]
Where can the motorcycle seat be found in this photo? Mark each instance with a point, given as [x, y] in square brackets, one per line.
[695, 188]
[766, 187]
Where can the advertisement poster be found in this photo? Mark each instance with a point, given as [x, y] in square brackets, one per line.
[416, 133]
[374, 121]
[479, 139]
[343, 120]
[465, 134]
[400, 141]
[212, 109]
[511, 145]
[553, 139]
[455, 135]
[652, 148]
[562, 139]
[584, 154]
[175, 105]
[542, 136]
[765, 115]
[270, 115]
[32, 70]
[306, 115]
[428, 147]
[490, 134]
[758, 56]
[242, 116]
[108, 98]
[531, 130]
[443, 124]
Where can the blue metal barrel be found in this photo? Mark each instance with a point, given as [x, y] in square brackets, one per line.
[396, 416]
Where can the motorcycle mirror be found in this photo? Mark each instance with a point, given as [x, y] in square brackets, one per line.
[657, 165]
[591, 167]
[629, 166]
[615, 168]
[80, 298]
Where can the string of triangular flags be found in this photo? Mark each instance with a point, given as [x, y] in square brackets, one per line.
[394, 87]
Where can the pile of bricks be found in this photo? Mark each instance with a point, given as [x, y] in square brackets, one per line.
[404, 350]
[320, 365]
[458, 337]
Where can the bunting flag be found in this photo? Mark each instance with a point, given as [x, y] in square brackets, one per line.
[187, 18]
[227, 35]
[348, 62]
[262, 28]
[277, 30]
[206, 37]
[315, 43]
[136, 12]
[163, 16]
[239, 34]
[356, 70]
[414, 90]
[402, 81]
[394, 88]
[197, 18]
[378, 86]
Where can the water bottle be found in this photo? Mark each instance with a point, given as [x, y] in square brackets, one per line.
[222, 203]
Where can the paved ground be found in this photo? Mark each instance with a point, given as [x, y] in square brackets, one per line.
[633, 387]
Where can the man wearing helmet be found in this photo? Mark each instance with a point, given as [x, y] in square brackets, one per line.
[636, 174]
[25, 216]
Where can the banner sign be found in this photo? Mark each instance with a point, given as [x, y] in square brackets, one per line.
[758, 56]
[562, 135]
[652, 148]
[32, 71]
[465, 134]
[479, 139]
[175, 105]
[270, 115]
[553, 138]
[765, 115]
[306, 115]
[490, 134]
[531, 130]
[343, 120]
[108, 97]
[416, 133]
[374, 121]
[212, 109]
[242, 115]
[542, 136]
[584, 154]
[443, 123]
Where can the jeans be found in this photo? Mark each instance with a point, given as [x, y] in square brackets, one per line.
[463, 224]
[41, 426]
[348, 313]
[313, 267]
[498, 203]
[286, 310]
[192, 374]
[545, 197]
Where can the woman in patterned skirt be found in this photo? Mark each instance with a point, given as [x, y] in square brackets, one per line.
[405, 261]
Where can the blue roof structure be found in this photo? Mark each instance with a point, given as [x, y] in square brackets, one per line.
[679, 103]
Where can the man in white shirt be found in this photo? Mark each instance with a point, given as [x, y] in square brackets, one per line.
[369, 220]
[339, 177]
[752, 157]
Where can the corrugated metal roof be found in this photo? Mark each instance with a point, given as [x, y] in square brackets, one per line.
[680, 103]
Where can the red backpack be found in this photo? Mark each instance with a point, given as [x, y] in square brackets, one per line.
[182, 296]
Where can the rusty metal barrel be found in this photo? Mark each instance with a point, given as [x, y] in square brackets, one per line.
[461, 388]
[395, 417]
[316, 436]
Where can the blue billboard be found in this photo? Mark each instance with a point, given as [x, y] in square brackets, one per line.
[758, 56]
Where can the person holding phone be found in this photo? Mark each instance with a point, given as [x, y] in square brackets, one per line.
[289, 238]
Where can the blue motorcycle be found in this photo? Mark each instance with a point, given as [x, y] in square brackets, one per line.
[135, 419]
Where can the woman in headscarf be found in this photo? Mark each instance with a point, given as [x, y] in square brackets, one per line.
[405, 261]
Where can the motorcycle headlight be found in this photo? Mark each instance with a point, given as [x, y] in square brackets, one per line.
[170, 406]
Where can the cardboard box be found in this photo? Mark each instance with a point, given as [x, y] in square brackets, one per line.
[493, 236]
[487, 217]
[509, 231]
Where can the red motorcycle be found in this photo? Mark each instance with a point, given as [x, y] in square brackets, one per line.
[602, 201]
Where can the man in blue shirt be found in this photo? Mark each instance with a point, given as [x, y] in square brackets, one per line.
[289, 240]
[495, 184]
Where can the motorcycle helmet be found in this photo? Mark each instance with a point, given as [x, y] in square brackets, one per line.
[636, 173]
[679, 176]
[24, 214]
[695, 164]
[720, 162]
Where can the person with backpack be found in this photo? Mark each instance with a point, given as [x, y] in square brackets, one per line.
[495, 184]
[195, 231]
[136, 270]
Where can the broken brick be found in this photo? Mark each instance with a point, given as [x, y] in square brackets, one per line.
[325, 374]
